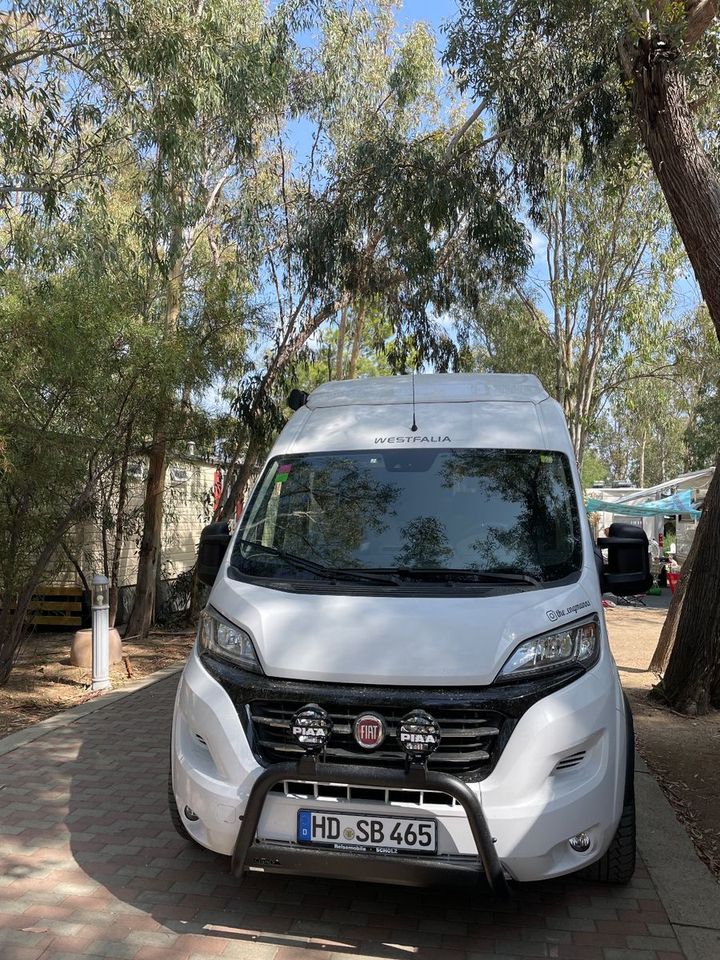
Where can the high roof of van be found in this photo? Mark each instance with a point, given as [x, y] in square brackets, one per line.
[430, 388]
[451, 411]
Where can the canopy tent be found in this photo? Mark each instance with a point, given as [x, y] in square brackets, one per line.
[680, 502]
[697, 480]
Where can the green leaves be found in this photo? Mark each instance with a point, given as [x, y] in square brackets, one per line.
[551, 74]
[403, 225]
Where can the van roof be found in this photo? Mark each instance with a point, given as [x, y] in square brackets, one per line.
[430, 388]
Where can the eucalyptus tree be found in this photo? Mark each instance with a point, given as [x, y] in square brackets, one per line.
[620, 79]
[698, 352]
[589, 318]
[643, 431]
[58, 132]
[370, 219]
[702, 437]
[193, 82]
[610, 270]
[506, 331]
[75, 366]
[656, 421]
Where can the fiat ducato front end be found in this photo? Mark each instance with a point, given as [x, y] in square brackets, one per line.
[403, 670]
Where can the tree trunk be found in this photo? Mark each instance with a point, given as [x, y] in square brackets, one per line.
[692, 680]
[256, 444]
[13, 631]
[240, 481]
[688, 179]
[143, 609]
[643, 444]
[691, 187]
[144, 605]
[76, 566]
[357, 342]
[341, 344]
[118, 537]
[665, 644]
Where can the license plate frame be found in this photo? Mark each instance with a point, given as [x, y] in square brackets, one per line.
[388, 846]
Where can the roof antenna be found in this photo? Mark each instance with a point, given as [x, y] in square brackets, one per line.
[414, 425]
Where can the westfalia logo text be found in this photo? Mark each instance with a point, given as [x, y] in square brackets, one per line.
[412, 439]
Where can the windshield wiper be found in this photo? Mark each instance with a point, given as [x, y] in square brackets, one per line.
[457, 575]
[328, 573]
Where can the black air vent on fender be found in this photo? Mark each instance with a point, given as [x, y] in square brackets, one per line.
[572, 760]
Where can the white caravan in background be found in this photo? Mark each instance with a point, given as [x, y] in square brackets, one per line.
[403, 670]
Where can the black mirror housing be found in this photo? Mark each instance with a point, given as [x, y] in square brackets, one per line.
[214, 541]
[627, 571]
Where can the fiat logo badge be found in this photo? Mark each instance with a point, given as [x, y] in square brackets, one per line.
[369, 730]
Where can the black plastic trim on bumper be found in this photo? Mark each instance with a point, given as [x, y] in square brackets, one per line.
[512, 698]
[408, 869]
[509, 699]
[370, 868]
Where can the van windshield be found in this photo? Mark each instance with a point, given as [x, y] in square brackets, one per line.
[488, 515]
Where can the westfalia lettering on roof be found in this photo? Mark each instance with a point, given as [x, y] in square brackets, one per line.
[415, 439]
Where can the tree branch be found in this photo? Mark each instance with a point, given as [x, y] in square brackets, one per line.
[457, 137]
[699, 15]
[562, 108]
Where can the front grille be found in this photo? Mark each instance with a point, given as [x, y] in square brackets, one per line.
[470, 744]
[342, 791]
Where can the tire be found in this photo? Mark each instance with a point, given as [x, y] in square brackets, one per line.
[617, 865]
[175, 817]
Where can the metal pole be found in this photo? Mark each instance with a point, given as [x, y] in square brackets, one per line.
[100, 634]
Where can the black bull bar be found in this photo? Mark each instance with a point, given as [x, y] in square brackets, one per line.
[288, 858]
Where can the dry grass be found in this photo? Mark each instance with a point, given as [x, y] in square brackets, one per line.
[43, 681]
[683, 752]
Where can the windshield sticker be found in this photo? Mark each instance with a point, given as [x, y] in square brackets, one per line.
[283, 472]
[554, 615]
[546, 458]
[430, 439]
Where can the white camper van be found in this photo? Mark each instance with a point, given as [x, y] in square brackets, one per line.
[403, 670]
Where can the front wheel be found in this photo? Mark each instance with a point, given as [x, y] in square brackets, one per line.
[617, 864]
[175, 817]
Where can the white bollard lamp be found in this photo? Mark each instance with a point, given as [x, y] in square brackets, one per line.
[100, 633]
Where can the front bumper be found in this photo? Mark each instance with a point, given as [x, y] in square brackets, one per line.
[280, 857]
[533, 800]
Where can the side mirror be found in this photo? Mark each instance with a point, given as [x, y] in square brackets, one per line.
[628, 568]
[214, 541]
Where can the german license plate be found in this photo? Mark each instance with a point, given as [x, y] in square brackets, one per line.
[359, 831]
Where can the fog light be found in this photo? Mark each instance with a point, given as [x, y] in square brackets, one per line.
[311, 727]
[190, 814]
[419, 735]
[580, 842]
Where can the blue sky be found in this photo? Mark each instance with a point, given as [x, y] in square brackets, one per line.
[434, 12]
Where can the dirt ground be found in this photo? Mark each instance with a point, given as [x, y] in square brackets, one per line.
[43, 681]
[683, 752]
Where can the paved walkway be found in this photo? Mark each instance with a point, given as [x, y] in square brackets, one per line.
[90, 867]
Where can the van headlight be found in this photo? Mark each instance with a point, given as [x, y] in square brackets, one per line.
[576, 644]
[218, 636]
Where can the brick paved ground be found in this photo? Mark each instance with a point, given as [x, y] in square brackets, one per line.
[90, 867]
